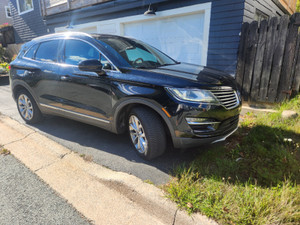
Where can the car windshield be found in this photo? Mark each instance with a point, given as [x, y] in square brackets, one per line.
[136, 53]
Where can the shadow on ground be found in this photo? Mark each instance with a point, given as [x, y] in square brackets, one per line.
[4, 80]
[261, 155]
[88, 136]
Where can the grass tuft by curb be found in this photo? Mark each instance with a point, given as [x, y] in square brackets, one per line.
[87, 158]
[253, 179]
[4, 151]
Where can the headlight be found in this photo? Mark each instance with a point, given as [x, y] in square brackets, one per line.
[192, 95]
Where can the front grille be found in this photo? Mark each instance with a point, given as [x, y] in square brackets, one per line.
[227, 97]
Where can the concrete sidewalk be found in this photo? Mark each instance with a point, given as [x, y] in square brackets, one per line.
[101, 195]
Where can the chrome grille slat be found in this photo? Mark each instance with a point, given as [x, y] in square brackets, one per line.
[222, 93]
[230, 102]
[225, 94]
[227, 98]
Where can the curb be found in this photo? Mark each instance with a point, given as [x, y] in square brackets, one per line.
[103, 196]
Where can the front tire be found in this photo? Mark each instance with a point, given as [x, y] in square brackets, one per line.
[147, 133]
[28, 108]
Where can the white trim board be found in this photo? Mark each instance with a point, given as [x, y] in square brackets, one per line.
[116, 26]
[29, 10]
[5, 8]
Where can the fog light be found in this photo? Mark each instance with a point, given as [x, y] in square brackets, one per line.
[200, 121]
[203, 123]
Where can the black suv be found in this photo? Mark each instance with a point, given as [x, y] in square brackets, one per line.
[121, 84]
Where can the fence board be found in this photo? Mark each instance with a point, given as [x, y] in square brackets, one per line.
[250, 56]
[268, 67]
[288, 59]
[268, 57]
[242, 56]
[278, 57]
[259, 60]
[296, 81]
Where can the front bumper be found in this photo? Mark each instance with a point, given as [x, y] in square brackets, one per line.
[211, 124]
[181, 142]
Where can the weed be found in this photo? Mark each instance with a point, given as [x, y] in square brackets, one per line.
[149, 182]
[87, 158]
[4, 151]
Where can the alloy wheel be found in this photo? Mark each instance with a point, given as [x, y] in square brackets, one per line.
[25, 107]
[137, 134]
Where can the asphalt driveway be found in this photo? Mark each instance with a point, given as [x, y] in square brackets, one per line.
[105, 148]
[25, 199]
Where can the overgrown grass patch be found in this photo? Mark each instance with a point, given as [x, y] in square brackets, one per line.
[253, 179]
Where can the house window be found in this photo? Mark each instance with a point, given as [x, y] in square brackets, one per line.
[25, 6]
[7, 12]
[259, 16]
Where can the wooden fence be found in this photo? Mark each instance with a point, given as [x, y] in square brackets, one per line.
[268, 68]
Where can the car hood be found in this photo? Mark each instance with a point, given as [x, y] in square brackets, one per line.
[197, 74]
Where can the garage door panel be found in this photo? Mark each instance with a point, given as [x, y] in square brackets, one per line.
[181, 37]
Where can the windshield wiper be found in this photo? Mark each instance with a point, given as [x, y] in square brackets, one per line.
[167, 64]
[142, 67]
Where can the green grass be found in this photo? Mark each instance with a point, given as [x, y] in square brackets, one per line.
[253, 179]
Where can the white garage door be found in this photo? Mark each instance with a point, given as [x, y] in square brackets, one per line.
[180, 37]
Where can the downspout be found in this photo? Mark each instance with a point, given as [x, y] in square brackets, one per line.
[44, 10]
[69, 4]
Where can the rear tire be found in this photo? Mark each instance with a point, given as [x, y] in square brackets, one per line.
[147, 133]
[27, 107]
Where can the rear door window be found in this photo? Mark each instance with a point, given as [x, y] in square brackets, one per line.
[30, 53]
[48, 51]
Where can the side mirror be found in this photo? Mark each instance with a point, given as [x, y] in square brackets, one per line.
[91, 65]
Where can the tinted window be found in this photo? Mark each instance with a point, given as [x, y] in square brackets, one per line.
[47, 51]
[30, 52]
[77, 51]
[136, 53]
[106, 64]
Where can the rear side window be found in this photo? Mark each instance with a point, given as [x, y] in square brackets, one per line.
[77, 51]
[47, 51]
[30, 53]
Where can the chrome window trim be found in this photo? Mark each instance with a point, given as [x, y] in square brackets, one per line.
[28, 50]
[72, 38]
[75, 113]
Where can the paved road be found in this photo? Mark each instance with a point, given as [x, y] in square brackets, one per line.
[107, 149]
[27, 200]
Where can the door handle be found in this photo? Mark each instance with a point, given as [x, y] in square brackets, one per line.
[29, 73]
[65, 78]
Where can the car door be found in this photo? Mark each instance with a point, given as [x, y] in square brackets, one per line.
[43, 71]
[85, 95]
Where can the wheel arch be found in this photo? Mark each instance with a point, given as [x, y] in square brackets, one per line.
[122, 110]
[18, 85]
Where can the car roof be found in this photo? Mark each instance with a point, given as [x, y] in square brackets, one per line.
[61, 35]
[74, 34]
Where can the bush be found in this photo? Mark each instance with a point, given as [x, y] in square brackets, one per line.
[4, 67]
